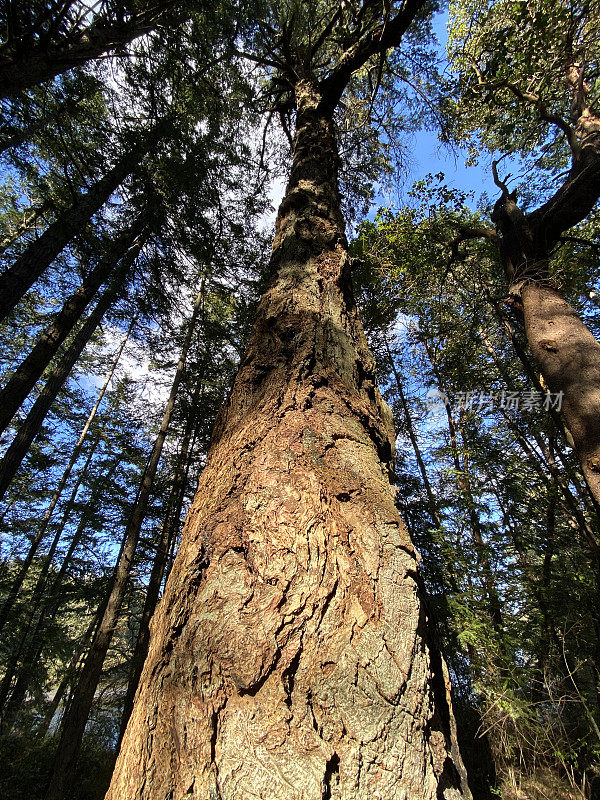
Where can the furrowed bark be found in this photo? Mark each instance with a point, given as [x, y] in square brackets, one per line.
[76, 716]
[40, 535]
[33, 422]
[295, 664]
[20, 277]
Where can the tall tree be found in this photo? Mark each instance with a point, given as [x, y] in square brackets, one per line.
[75, 719]
[296, 662]
[532, 89]
[20, 276]
[32, 424]
[32, 367]
[41, 41]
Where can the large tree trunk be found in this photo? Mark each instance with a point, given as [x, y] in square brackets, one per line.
[566, 352]
[569, 358]
[296, 663]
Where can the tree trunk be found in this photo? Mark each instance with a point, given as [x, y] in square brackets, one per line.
[296, 663]
[163, 548]
[564, 349]
[39, 585]
[70, 672]
[461, 467]
[412, 435]
[76, 717]
[38, 256]
[45, 609]
[569, 358]
[31, 369]
[20, 445]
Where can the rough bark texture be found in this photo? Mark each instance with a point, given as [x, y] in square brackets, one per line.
[289, 655]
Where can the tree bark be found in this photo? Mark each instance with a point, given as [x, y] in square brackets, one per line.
[76, 717]
[31, 369]
[38, 256]
[569, 358]
[20, 445]
[296, 663]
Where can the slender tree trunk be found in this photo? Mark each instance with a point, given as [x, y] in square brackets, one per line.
[29, 372]
[461, 466]
[18, 582]
[31, 426]
[75, 718]
[45, 609]
[40, 254]
[163, 548]
[38, 592]
[68, 677]
[296, 663]
[432, 503]
[33, 639]
[40, 535]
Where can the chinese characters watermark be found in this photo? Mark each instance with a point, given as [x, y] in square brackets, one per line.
[528, 400]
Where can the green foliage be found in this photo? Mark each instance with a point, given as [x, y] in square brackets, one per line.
[504, 528]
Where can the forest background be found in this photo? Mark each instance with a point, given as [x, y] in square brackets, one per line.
[140, 144]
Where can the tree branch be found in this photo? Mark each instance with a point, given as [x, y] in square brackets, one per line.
[378, 40]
